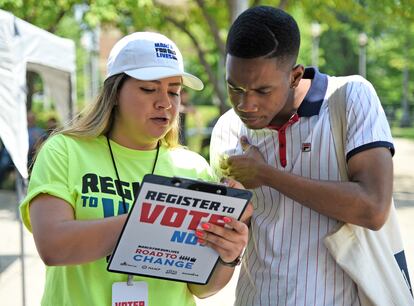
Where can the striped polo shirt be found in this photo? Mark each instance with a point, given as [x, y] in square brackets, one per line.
[287, 262]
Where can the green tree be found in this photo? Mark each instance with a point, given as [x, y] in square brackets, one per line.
[200, 28]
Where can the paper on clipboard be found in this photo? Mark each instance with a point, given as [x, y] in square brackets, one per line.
[158, 239]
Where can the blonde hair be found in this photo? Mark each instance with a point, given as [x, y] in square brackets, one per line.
[98, 118]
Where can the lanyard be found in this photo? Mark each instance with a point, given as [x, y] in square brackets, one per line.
[129, 282]
[116, 169]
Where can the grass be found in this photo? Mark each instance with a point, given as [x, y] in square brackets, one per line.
[396, 130]
[403, 132]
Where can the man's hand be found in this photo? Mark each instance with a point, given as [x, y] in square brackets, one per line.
[245, 168]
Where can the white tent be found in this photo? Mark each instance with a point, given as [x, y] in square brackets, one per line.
[25, 47]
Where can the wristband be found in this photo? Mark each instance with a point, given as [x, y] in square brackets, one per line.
[233, 263]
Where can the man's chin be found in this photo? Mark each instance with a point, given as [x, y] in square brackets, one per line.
[255, 125]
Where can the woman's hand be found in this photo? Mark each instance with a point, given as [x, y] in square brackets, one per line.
[228, 240]
[231, 239]
[248, 212]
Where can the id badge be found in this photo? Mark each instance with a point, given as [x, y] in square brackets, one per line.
[135, 294]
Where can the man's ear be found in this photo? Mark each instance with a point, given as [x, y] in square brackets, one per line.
[296, 75]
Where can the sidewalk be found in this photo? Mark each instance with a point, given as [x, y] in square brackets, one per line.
[10, 265]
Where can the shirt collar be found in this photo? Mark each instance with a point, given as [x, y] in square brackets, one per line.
[312, 102]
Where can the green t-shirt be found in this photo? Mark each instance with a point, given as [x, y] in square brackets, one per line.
[80, 171]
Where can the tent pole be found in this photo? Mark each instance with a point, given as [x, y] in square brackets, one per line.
[21, 190]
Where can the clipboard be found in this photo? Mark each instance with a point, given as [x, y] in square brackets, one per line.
[158, 239]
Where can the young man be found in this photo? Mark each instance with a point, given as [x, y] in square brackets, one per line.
[277, 141]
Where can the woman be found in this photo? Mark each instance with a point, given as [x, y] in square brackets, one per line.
[85, 179]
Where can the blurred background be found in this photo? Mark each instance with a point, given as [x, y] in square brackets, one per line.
[373, 38]
[367, 37]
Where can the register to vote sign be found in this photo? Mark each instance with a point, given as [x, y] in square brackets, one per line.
[159, 239]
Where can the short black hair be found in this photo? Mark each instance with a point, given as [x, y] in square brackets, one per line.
[264, 31]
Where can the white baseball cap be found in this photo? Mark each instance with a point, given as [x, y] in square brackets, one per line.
[149, 56]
